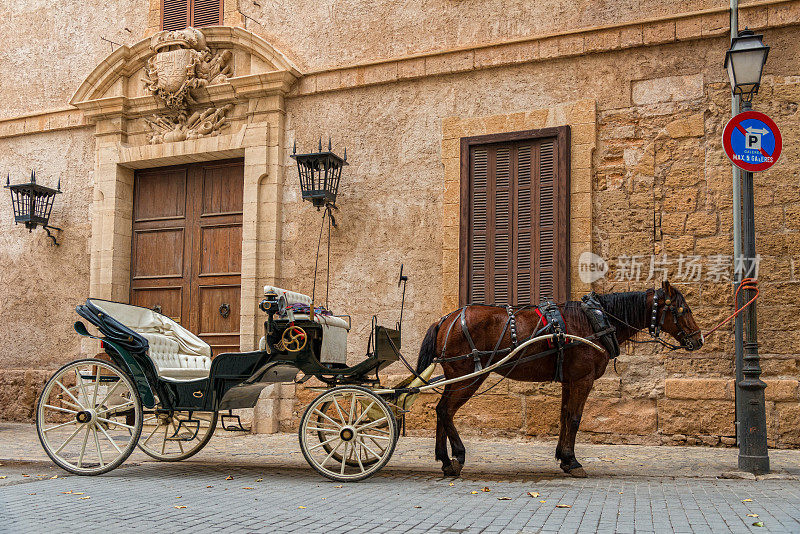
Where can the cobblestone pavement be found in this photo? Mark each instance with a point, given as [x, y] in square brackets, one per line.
[273, 490]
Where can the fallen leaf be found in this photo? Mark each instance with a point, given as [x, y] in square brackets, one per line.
[77, 493]
[259, 480]
[247, 487]
[620, 493]
[542, 501]
[67, 492]
[533, 493]
[31, 494]
[452, 484]
[504, 498]
[209, 486]
[53, 477]
[418, 507]
[82, 498]
[752, 515]
[302, 507]
[4, 476]
[758, 524]
[747, 500]
[563, 506]
[179, 507]
[26, 476]
[179, 496]
[486, 489]
[474, 492]
[339, 486]
[229, 477]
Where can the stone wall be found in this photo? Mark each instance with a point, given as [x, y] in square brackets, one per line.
[398, 99]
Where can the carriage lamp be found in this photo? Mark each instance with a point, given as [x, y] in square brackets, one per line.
[32, 204]
[744, 62]
[319, 174]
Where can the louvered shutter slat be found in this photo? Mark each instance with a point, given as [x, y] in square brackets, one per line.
[524, 278]
[206, 13]
[547, 221]
[502, 227]
[175, 14]
[479, 215]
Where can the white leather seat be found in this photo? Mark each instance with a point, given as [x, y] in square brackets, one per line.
[177, 353]
[334, 329]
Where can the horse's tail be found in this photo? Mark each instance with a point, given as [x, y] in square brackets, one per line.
[427, 352]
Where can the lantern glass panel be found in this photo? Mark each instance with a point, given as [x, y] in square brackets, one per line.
[745, 63]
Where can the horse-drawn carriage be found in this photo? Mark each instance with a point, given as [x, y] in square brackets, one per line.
[159, 389]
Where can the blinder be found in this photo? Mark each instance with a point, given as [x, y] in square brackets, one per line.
[657, 322]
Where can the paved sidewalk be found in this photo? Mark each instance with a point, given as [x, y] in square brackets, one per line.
[494, 458]
[247, 483]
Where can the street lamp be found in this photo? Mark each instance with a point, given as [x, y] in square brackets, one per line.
[32, 204]
[319, 175]
[744, 62]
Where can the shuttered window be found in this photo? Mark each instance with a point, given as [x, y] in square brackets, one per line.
[514, 227]
[178, 14]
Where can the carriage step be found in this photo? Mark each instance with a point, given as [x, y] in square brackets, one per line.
[188, 434]
[236, 426]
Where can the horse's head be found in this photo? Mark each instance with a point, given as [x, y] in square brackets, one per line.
[676, 318]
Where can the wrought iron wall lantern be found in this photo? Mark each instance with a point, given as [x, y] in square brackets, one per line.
[319, 175]
[32, 204]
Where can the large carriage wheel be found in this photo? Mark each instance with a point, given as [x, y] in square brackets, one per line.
[171, 436]
[350, 423]
[89, 417]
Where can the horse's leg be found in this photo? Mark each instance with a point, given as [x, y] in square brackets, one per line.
[575, 394]
[563, 422]
[441, 433]
[454, 397]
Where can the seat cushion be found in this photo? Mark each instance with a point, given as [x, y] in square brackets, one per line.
[290, 296]
[171, 362]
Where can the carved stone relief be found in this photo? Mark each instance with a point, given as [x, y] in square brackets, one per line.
[182, 62]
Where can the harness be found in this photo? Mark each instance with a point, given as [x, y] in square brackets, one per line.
[551, 316]
[656, 325]
[602, 328]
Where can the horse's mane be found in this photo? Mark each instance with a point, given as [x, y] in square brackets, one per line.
[624, 308]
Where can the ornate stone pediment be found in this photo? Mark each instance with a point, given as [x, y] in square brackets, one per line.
[186, 84]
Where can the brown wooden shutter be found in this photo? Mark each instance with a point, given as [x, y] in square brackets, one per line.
[206, 13]
[174, 14]
[517, 231]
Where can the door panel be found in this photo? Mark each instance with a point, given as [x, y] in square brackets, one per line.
[187, 247]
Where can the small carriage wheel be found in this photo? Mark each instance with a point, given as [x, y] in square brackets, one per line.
[89, 417]
[161, 427]
[357, 426]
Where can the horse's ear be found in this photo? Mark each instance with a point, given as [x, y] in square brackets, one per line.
[666, 287]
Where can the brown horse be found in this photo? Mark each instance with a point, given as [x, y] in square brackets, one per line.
[628, 312]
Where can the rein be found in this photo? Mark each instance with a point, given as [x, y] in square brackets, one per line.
[746, 283]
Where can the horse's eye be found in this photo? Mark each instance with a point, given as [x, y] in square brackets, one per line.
[680, 310]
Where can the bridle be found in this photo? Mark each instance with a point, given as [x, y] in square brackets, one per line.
[656, 325]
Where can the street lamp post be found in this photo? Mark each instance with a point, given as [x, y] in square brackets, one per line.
[744, 62]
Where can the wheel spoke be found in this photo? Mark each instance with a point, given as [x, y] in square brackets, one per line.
[83, 447]
[374, 437]
[316, 410]
[358, 457]
[58, 450]
[338, 408]
[360, 417]
[97, 445]
[46, 430]
[71, 396]
[372, 424]
[164, 443]
[376, 455]
[330, 454]
[322, 429]
[123, 405]
[80, 384]
[116, 423]
[352, 409]
[151, 434]
[59, 408]
[96, 386]
[110, 392]
[109, 438]
[180, 445]
[323, 443]
[344, 458]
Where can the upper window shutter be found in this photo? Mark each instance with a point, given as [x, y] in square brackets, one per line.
[206, 13]
[174, 14]
[518, 228]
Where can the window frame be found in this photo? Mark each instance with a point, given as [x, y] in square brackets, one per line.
[190, 14]
[561, 134]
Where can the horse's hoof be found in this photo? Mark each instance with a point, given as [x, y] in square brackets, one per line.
[578, 472]
[452, 470]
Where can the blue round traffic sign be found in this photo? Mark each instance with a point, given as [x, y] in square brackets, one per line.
[752, 141]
